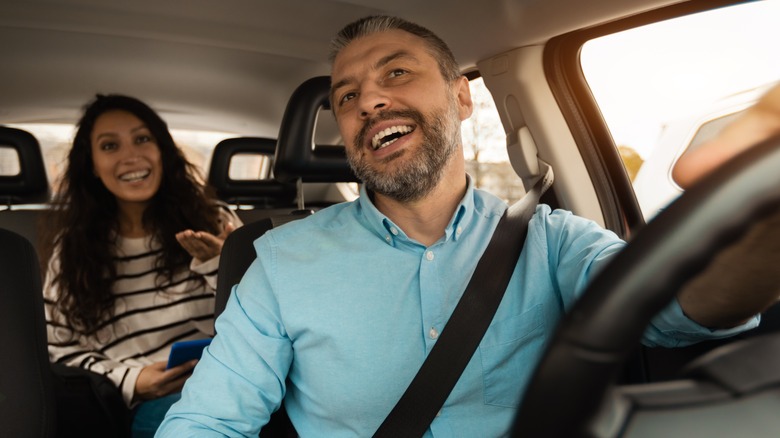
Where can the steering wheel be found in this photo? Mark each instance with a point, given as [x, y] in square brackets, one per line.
[574, 381]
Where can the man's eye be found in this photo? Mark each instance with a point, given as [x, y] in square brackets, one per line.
[397, 72]
[347, 97]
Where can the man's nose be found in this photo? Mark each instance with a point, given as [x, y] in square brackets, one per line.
[372, 101]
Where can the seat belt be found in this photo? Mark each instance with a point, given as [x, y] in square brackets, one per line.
[468, 323]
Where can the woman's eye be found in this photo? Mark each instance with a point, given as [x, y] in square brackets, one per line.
[143, 139]
[108, 146]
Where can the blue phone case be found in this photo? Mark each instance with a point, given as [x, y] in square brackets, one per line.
[186, 350]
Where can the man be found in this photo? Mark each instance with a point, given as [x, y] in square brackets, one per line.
[339, 310]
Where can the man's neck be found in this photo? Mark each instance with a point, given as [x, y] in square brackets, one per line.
[425, 220]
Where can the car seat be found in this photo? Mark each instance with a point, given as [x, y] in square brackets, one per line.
[87, 404]
[253, 198]
[22, 194]
[297, 160]
[27, 406]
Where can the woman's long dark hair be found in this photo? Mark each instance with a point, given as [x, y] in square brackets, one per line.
[82, 224]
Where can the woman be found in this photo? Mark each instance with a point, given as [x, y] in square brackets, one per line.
[131, 256]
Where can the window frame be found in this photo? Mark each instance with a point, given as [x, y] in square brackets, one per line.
[561, 62]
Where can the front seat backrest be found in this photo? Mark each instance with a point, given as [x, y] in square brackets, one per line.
[27, 406]
[263, 194]
[297, 158]
[28, 186]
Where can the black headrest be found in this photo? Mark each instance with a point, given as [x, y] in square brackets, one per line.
[266, 192]
[30, 185]
[296, 154]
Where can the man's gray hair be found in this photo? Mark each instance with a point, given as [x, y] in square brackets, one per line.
[379, 23]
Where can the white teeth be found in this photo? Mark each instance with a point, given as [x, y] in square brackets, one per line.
[377, 141]
[135, 176]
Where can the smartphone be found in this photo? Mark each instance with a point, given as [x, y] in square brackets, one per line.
[186, 350]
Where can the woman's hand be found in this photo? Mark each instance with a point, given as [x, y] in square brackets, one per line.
[201, 245]
[155, 381]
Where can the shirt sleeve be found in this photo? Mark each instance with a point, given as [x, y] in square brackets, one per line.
[240, 379]
[580, 248]
[672, 328]
[577, 249]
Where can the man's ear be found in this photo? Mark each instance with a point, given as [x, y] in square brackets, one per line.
[465, 104]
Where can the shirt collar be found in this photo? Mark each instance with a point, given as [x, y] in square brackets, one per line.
[385, 229]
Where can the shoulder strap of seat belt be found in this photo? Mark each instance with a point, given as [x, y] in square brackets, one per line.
[468, 323]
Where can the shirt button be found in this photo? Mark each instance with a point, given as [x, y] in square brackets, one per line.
[388, 239]
[433, 333]
[394, 230]
[429, 255]
[458, 231]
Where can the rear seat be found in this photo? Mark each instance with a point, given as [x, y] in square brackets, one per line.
[253, 199]
[23, 195]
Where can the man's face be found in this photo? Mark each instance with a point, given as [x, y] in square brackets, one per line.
[400, 119]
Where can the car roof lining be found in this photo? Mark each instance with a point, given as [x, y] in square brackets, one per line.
[195, 81]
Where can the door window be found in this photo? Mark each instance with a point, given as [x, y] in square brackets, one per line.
[665, 88]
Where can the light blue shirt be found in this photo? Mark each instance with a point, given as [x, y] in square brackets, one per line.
[339, 310]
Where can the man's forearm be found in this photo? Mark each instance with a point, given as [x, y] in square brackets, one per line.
[741, 281]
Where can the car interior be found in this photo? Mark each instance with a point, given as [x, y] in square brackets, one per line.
[712, 396]
[250, 197]
[246, 86]
[28, 187]
[28, 378]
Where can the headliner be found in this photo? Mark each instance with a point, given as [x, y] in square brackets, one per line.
[230, 65]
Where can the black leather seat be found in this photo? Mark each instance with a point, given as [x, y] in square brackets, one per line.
[27, 402]
[87, 404]
[22, 195]
[253, 198]
[296, 161]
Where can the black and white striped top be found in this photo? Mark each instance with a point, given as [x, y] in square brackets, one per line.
[150, 314]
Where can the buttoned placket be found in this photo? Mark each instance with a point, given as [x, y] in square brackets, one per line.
[432, 294]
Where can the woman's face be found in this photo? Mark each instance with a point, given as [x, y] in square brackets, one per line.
[126, 157]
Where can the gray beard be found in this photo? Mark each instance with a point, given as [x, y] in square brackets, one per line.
[418, 176]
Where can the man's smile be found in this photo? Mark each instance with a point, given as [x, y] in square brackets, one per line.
[388, 136]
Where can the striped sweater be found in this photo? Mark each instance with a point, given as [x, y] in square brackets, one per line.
[150, 314]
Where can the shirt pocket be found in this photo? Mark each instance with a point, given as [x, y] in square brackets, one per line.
[509, 353]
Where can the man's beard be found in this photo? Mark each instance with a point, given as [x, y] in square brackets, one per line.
[416, 176]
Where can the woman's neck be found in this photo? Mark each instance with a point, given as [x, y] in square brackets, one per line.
[131, 222]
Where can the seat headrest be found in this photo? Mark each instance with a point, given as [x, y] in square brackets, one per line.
[296, 155]
[266, 192]
[30, 185]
